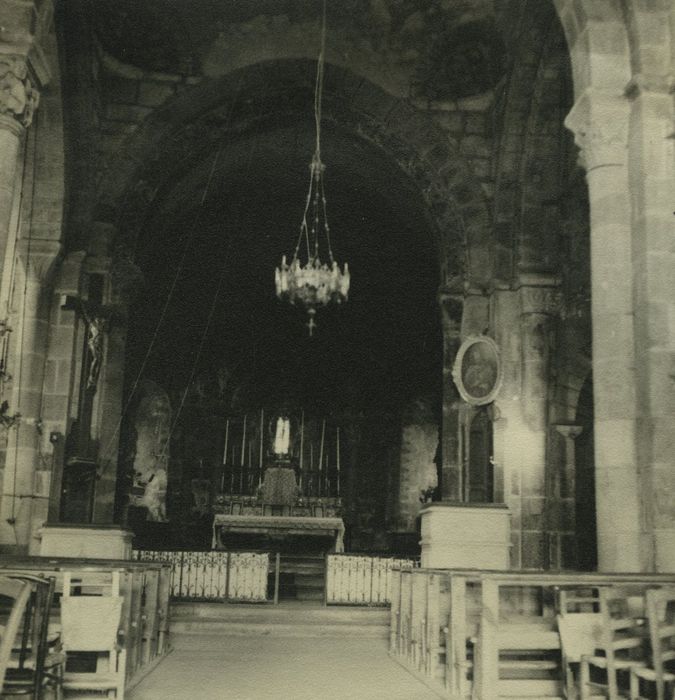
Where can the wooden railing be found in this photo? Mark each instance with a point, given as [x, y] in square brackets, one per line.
[360, 579]
[487, 635]
[235, 576]
[145, 587]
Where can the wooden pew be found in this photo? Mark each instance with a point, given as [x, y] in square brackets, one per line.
[144, 585]
[451, 627]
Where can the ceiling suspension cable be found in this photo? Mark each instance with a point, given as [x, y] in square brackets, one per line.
[311, 282]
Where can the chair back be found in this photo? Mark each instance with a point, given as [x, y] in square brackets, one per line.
[35, 638]
[660, 603]
[18, 592]
[580, 634]
[90, 623]
[623, 635]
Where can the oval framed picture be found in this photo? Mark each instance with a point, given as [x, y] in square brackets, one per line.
[477, 370]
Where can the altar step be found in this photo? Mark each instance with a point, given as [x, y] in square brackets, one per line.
[302, 577]
[288, 619]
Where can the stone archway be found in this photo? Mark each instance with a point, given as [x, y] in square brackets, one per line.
[190, 124]
[185, 131]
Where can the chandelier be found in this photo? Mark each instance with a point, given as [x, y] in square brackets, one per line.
[307, 280]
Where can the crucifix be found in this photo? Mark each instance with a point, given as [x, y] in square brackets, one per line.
[97, 318]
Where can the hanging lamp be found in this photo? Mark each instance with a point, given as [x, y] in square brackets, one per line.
[307, 280]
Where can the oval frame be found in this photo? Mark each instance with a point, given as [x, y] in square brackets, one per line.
[472, 398]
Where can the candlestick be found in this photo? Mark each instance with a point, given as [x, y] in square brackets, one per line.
[323, 437]
[327, 484]
[302, 438]
[262, 447]
[243, 441]
[227, 436]
[262, 422]
[338, 462]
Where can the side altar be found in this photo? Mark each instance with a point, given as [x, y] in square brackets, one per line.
[291, 508]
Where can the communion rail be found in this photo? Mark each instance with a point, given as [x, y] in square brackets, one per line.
[354, 579]
[488, 635]
[144, 587]
[214, 575]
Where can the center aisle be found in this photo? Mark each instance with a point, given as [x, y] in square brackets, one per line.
[214, 667]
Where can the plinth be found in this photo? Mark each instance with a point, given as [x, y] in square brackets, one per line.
[85, 541]
[465, 536]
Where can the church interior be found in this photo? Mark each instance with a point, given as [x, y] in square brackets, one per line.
[359, 303]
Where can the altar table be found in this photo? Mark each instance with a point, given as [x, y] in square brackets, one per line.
[278, 525]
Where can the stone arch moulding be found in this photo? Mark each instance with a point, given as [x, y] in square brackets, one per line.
[190, 124]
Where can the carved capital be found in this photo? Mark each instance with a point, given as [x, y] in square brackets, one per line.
[569, 431]
[39, 257]
[600, 126]
[18, 97]
[540, 300]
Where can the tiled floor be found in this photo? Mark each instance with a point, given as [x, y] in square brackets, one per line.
[211, 667]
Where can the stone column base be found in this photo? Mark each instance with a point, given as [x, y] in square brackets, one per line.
[465, 536]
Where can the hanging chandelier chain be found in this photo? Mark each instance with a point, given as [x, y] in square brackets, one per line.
[318, 88]
[314, 283]
[304, 229]
[326, 226]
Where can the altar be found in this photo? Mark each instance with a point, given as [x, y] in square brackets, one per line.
[278, 526]
[283, 505]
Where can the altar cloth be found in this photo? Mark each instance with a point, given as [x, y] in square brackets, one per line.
[277, 524]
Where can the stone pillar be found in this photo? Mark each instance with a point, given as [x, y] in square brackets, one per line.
[507, 414]
[27, 474]
[538, 303]
[651, 177]
[600, 124]
[18, 101]
[61, 368]
[21, 487]
[451, 467]
[562, 502]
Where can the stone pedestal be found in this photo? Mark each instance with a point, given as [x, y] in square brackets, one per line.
[85, 541]
[465, 536]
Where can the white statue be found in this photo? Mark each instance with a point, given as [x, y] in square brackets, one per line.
[282, 436]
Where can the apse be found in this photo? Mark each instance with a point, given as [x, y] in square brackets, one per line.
[210, 331]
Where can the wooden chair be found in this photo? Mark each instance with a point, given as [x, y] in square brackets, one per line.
[91, 623]
[38, 662]
[621, 648]
[580, 629]
[16, 595]
[660, 605]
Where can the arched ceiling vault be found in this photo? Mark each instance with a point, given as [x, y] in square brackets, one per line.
[267, 96]
[531, 145]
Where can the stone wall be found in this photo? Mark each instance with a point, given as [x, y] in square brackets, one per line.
[417, 472]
